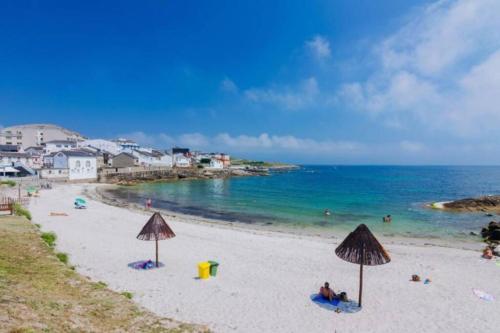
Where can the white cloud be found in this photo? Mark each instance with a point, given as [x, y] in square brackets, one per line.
[293, 148]
[440, 70]
[319, 47]
[443, 35]
[193, 140]
[227, 85]
[247, 143]
[300, 97]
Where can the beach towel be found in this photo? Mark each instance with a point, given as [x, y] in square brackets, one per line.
[483, 295]
[318, 299]
[144, 265]
[335, 305]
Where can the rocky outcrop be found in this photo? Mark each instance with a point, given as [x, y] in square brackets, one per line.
[132, 178]
[489, 203]
[491, 233]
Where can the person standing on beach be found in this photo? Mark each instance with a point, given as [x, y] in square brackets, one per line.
[148, 203]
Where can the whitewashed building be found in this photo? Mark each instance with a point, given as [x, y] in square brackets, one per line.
[181, 161]
[58, 145]
[80, 165]
[216, 163]
[102, 145]
[126, 144]
[152, 158]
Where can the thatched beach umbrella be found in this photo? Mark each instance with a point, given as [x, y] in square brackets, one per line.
[156, 229]
[361, 247]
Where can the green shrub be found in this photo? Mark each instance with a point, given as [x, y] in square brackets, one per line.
[101, 285]
[10, 183]
[127, 294]
[49, 238]
[21, 211]
[63, 257]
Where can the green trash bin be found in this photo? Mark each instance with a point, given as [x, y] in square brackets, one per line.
[213, 267]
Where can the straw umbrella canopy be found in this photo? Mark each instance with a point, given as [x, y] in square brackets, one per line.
[361, 247]
[156, 229]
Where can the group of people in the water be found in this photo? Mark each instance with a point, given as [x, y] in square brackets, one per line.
[385, 219]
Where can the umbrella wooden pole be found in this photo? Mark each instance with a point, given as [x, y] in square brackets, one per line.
[156, 252]
[361, 275]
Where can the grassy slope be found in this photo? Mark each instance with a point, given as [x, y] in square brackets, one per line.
[38, 293]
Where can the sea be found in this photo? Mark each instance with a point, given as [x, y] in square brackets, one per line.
[298, 198]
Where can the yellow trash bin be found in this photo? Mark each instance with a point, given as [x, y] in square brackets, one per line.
[203, 270]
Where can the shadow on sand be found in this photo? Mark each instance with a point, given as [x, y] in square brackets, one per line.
[139, 265]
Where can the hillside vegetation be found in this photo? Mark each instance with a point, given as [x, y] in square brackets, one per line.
[40, 293]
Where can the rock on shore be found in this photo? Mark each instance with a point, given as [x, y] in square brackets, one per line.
[491, 233]
[490, 203]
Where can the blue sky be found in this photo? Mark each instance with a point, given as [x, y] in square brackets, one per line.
[370, 82]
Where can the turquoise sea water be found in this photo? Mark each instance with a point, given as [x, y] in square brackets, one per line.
[354, 194]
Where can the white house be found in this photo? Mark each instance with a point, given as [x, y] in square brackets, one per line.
[58, 145]
[102, 145]
[126, 144]
[152, 158]
[217, 158]
[181, 161]
[216, 163]
[80, 165]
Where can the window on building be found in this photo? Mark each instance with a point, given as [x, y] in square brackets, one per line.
[77, 164]
[87, 164]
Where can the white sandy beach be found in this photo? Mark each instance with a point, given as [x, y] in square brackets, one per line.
[266, 279]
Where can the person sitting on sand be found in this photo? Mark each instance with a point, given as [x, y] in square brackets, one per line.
[327, 292]
[487, 253]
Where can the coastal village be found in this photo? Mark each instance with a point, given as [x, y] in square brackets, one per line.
[57, 154]
[250, 166]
